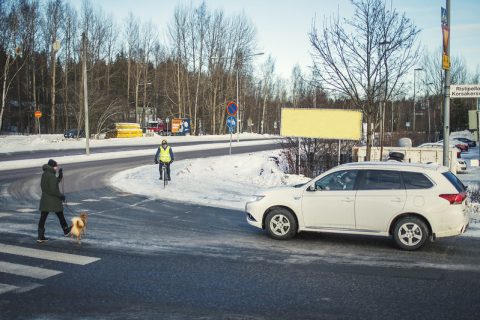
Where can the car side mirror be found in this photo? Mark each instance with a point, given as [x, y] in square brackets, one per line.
[312, 188]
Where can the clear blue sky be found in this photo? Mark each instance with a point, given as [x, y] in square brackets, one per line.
[282, 25]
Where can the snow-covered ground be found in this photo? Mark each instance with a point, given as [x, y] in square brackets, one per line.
[58, 142]
[226, 181]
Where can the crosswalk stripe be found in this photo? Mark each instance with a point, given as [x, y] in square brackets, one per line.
[6, 288]
[47, 255]
[4, 214]
[27, 271]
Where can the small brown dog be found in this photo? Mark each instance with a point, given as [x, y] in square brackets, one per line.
[79, 226]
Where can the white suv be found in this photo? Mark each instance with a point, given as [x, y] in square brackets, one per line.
[411, 202]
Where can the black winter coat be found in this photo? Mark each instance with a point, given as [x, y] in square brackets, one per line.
[51, 200]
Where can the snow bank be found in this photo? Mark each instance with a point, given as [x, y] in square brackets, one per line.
[226, 182]
[58, 142]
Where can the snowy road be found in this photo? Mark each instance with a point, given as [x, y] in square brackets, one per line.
[159, 259]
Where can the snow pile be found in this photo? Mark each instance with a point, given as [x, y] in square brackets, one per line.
[227, 181]
[463, 134]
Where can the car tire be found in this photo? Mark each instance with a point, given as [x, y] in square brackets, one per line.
[410, 233]
[280, 224]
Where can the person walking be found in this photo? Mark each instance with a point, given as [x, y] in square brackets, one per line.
[52, 198]
[164, 157]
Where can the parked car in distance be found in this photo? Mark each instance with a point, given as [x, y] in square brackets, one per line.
[440, 145]
[72, 133]
[470, 143]
[409, 202]
[459, 144]
[461, 166]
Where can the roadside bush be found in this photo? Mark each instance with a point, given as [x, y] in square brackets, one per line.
[315, 155]
[473, 193]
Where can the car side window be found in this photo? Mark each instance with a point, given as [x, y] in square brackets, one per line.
[381, 180]
[339, 180]
[416, 180]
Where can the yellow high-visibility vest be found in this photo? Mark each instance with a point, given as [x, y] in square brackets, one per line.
[165, 155]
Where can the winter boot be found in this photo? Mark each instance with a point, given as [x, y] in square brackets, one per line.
[66, 231]
[41, 235]
[168, 178]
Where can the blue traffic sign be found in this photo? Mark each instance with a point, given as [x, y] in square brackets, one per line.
[231, 122]
[232, 108]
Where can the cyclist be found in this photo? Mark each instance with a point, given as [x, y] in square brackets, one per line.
[164, 157]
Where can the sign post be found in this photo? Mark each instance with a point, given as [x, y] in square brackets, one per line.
[469, 91]
[445, 17]
[231, 124]
[38, 115]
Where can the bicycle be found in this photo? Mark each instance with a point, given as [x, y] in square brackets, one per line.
[164, 175]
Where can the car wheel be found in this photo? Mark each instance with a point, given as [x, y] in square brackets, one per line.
[410, 233]
[281, 224]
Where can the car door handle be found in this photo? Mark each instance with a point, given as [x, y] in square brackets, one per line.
[348, 200]
[396, 200]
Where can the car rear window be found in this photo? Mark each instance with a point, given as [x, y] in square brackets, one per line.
[455, 181]
[416, 180]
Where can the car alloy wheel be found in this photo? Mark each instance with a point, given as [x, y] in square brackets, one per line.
[410, 233]
[281, 224]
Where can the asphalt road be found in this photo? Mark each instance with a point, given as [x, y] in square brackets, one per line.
[20, 155]
[165, 260]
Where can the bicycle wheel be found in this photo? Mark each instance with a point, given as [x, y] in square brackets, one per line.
[164, 174]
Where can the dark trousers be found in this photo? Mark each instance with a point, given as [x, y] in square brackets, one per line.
[43, 218]
[167, 165]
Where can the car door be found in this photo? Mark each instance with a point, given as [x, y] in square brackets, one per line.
[380, 196]
[331, 203]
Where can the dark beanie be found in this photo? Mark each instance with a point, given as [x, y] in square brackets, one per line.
[52, 163]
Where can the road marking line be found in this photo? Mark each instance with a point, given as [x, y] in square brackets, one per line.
[27, 271]
[26, 210]
[6, 288]
[47, 255]
[4, 214]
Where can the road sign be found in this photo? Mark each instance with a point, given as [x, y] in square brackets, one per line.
[465, 91]
[38, 114]
[231, 122]
[232, 108]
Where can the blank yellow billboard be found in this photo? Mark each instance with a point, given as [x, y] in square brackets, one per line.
[321, 123]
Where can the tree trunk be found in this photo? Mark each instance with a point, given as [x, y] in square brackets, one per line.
[4, 90]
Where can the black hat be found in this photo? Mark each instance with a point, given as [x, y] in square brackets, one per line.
[52, 163]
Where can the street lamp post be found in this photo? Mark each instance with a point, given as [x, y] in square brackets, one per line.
[382, 109]
[414, 89]
[145, 84]
[237, 80]
[239, 120]
[428, 109]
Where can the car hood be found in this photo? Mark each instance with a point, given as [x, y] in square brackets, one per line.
[284, 190]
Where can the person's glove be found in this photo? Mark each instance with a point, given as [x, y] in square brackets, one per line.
[62, 197]
[156, 162]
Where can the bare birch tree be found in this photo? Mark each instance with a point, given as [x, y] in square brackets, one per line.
[350, 56]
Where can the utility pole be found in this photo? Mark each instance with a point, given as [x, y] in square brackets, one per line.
[414, 99]
[85, 93]
[446, 67]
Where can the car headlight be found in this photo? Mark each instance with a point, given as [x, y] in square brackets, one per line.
[255, 198]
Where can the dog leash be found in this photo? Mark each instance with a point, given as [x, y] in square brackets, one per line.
[65, 202]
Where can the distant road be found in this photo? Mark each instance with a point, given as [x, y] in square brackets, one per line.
[34, 154]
